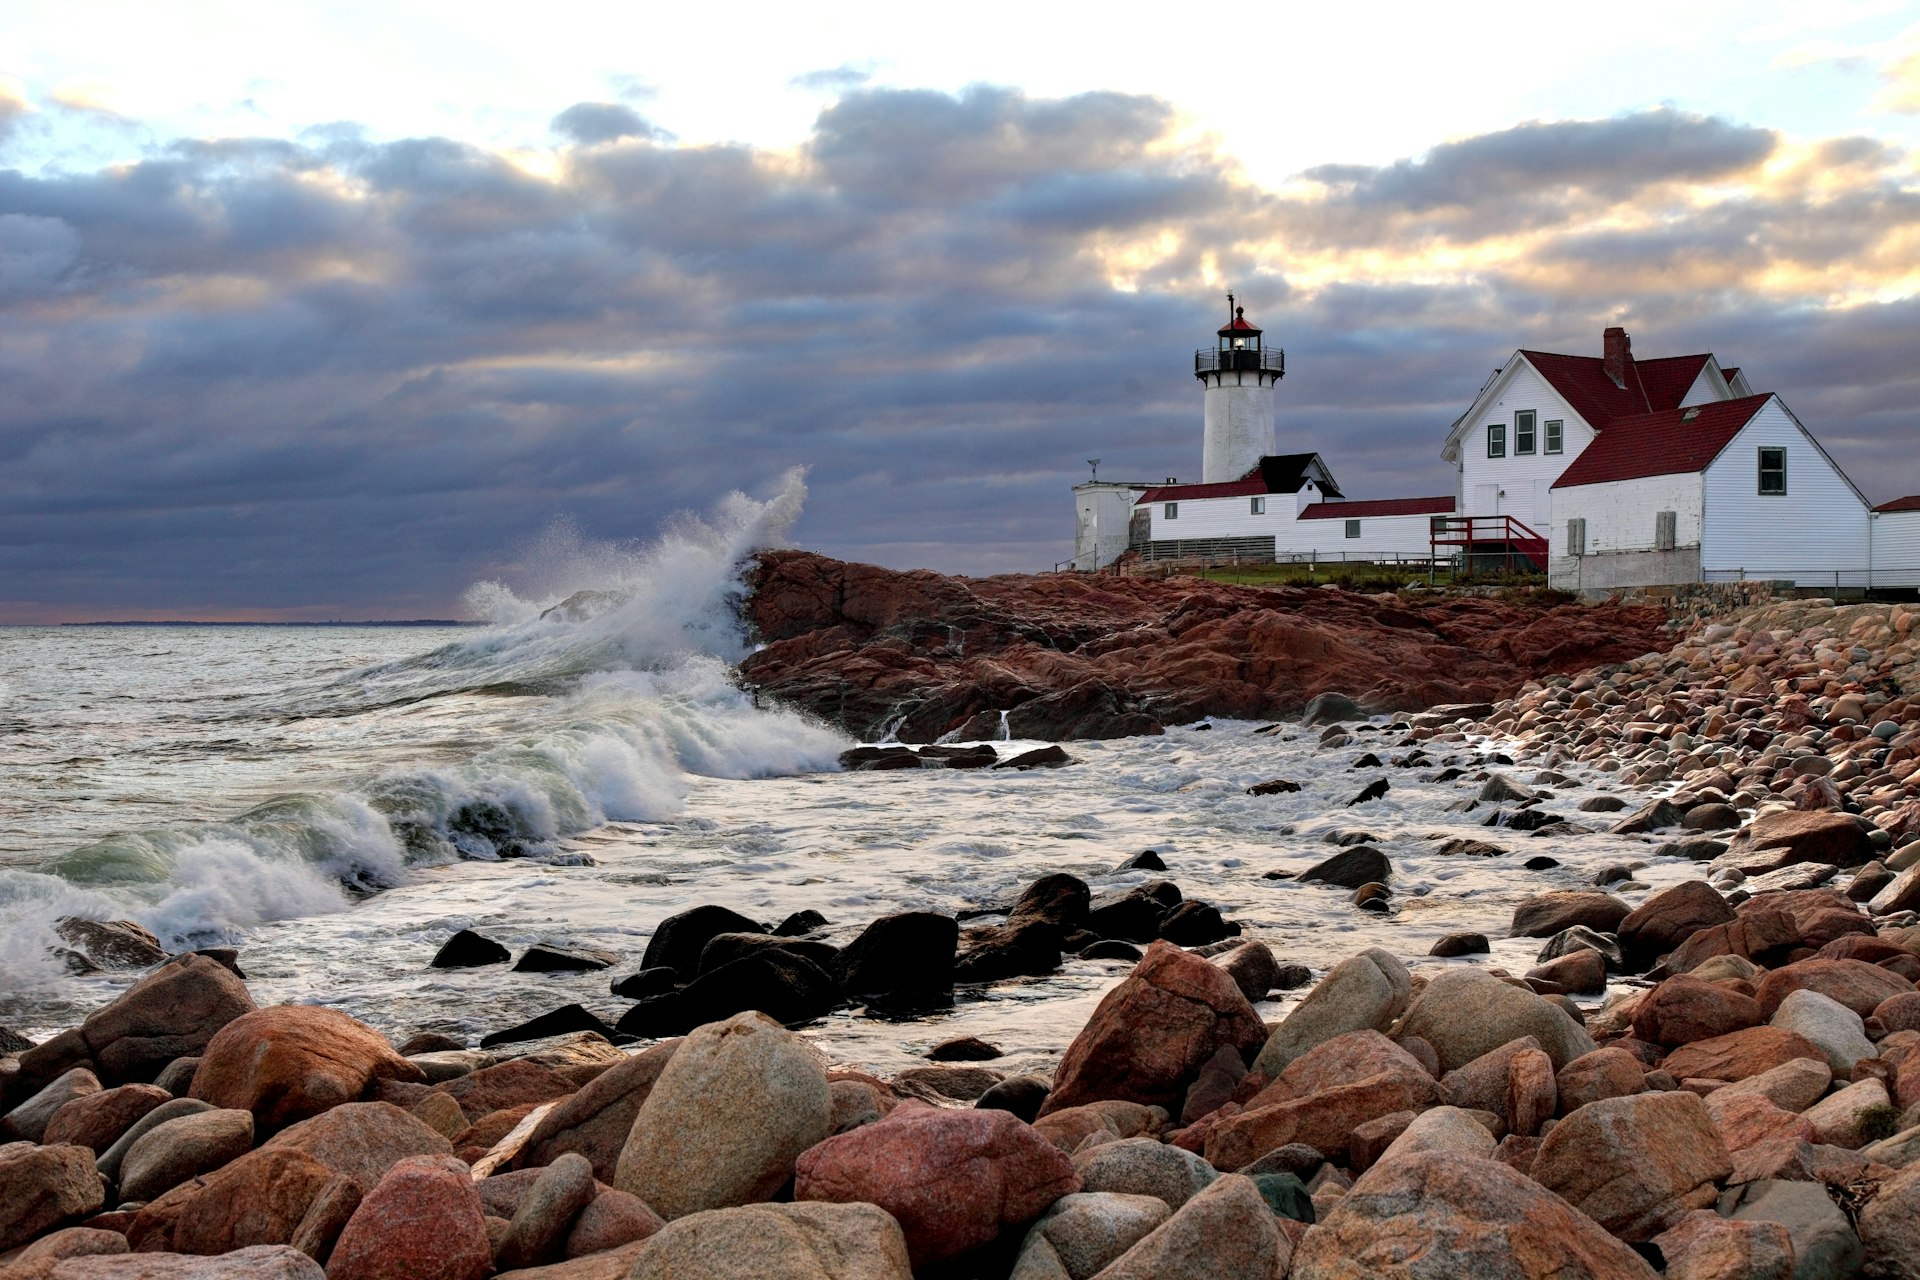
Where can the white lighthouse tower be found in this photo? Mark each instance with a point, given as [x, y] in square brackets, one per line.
[1239, 375]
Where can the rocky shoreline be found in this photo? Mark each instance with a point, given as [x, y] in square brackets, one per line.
[1745, 1102]
[919, 656]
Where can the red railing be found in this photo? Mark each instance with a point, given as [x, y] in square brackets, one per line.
[1485, 536]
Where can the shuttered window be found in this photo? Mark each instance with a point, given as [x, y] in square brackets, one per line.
[1663, 522]
[1577, 537]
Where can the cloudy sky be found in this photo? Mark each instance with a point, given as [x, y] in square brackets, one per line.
[314, 311]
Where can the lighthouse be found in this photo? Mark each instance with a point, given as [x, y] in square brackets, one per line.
[1239, 374]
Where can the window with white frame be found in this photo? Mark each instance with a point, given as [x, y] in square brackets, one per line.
[1171, 511]
[1353, 528]
[1556, 436]
[1496, 439]
[1257, 506]
[1523, 431]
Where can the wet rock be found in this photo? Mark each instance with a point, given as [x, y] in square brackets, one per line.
[1602, 804]
[902, 961]
[1453, 945]
[954, 1180]
[777, 1242]
[1581, 938]
[290, 1062]
[1546, 914]
[1134, 914]
[468, 950]
[180, 1149]
[964, 1049]
[1195, 924]
[800, 923]
[646, 983]
[946, 1084]
[679, 939]
[1363, 992]
[729, 1114]
[1111, 949]
[551, 957]
[1350, 868]
[1252, 967]
[1652, 816]
[1226, 1232]
[1039, 758]
[595, 1121]
[1145, 860]
[1670, 917]
[1153, 1031]
[41, 1187]
[1330, 708]
[1635, 1165]
[422, 1221]
[111, 944]
[1022, 1096]
[556, 1022]
[1464, 1013]
[1436, 1213]
[1372, 791]
[1026, 948]
[785, 986]
[1278, 786]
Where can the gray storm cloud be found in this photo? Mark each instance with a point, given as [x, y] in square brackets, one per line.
[351, 377]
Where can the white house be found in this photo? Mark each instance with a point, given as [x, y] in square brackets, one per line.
[1895, 537]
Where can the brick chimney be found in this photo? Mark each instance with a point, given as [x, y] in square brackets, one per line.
[1616, 354]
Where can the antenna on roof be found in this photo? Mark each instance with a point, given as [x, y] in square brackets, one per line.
[1229, 306]
[1095, 464]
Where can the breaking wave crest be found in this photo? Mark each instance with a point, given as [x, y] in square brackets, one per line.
[622, 658]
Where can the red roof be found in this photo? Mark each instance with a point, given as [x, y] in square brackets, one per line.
[1909, 503]
[1673, 442]
[1240, 325]
[1666, 381]
[1219, 489]
[1379, 507]
[1730, 374]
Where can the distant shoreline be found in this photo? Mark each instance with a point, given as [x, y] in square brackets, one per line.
[409, 622]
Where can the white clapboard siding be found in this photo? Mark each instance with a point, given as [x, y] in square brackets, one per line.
[1621, 515]
[1817, 529]
[1483, 479]
[1896, 547]
[1223, 518]
[1389, 536]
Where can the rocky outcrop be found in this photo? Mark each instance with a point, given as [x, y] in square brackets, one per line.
[1081, 656]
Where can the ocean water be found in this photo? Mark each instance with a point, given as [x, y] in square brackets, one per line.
[336, 801]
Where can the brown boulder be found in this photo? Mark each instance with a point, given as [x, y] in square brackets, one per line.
[421, 1222]
[595, 1121]
[1669, 918]
[1546, 914]
[111, 944]
[1749, 1120]
[41, 1187]
[1346, 1059]
[30, 1119]
[1154, 1031]
[1684, 1009]
[1604, 1073]
[1739, 1054]
[1776, 840]
[1635, 1165]
[171, 1013]
[1763, 936]
[1438, 1213]
[96, 1119]
[361, 1139]
[261, 1262]
[1481, 1085]
[954, 1180]
[511, 1084]
[1854, 983]
[183, 1148]
[293, 1061]
[1705, 1246]
[1324, 1121]
[260, 1198]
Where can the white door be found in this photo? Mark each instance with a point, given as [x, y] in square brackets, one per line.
[1542, 506]
[1486, 500]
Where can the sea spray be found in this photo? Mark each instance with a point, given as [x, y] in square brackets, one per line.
[498, 744]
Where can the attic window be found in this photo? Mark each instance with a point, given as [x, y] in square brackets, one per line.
[1523, 432]
[1556, 435]
[1496, 439]
[1690, 415]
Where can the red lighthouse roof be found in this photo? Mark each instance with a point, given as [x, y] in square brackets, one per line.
[1238, 324]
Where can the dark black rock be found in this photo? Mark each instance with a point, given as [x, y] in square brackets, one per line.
[1193, 924]
[787, 988]
[1373, 897]
[1202, 727]
[964, 1049]
[1135, 914]
[1696, 849]
[177, 1076]
[227, 958]
[547, 957]
[1525, 820]
[1022, 1095]
[1021, 948]
[1296, 1158]
[557, 1022]
[1579, 937]
[1145, 860]
[1329, 708]
[801, 922]
[430, 1042]
[1051, 757]
[1461, 847]
[1460, 944]
[1291, 977]
[12, 1041]
[1111, 949]
[468, 950]
[902, 961]
[1348, 839]
[1279, 786]
[679, 939]
[1372, 791]
[1868, 881]
[1366, 761]
[978, 756]
[725, 948]
[1351, 868]
[1057, 899]
[869, 759]
[647, 982]
[1541, 862]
